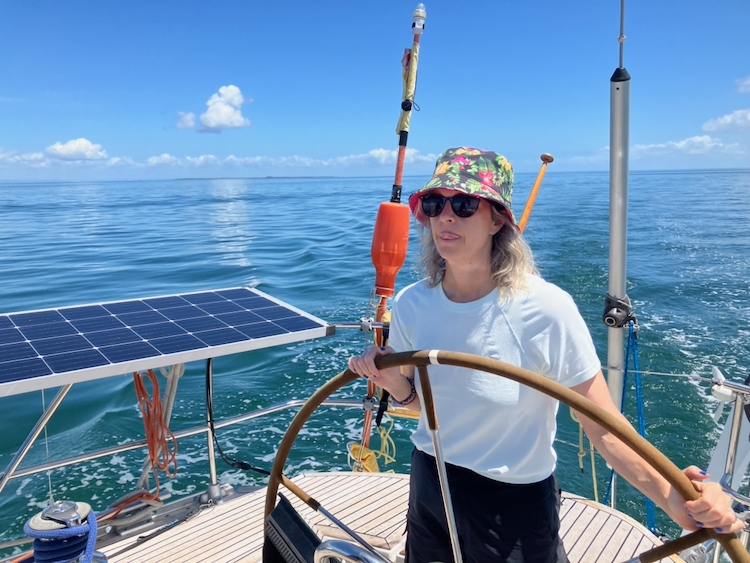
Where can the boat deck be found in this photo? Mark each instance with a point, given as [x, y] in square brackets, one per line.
[374, 505]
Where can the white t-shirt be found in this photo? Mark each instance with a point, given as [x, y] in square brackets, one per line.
[492, 425]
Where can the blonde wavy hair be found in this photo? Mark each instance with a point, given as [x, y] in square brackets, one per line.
[511, 259]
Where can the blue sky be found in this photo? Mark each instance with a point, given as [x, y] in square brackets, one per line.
[149, 90]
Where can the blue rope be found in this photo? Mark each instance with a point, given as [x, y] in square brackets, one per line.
[632, 346]
[69, 543]
[632, 335]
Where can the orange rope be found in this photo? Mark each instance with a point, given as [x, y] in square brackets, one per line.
[122, 504]
[157, 432]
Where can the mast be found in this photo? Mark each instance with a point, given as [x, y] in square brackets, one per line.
[617, 309]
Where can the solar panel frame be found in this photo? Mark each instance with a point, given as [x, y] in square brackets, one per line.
[55, 347]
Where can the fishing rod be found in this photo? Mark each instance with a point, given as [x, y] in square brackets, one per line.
[391, 235]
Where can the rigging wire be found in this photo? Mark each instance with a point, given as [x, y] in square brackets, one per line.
[621, 38]
[46, 448]
[692, 376]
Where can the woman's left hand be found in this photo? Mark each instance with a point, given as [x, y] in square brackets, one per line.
[712, 510]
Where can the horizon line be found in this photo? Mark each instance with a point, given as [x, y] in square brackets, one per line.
[324, 177]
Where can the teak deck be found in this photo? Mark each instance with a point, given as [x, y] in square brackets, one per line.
[374, 506]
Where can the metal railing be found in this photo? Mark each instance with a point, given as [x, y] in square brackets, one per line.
[11, 472]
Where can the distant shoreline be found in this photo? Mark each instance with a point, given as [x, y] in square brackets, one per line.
[550, 172]
[261, 178]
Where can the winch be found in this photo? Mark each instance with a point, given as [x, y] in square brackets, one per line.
[64, 532]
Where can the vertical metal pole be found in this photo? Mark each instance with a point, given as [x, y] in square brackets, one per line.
[447, 502]
[214, 491]
[619, 137]
[716, 558]
[734, 435]
[613, 492]
[432, 422]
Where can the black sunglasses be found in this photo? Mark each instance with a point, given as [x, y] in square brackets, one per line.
[463, 205]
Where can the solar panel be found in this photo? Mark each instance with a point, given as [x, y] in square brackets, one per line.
[53, 347]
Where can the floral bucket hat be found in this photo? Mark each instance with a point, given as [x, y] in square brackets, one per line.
[475, 172]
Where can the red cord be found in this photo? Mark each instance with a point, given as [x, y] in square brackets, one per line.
[157, 432]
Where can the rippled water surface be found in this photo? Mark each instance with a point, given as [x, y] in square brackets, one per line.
[306, 241]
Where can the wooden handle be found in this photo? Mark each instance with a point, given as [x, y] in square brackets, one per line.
[546, 159]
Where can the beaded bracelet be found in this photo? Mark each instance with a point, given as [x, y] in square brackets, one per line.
[409, 399]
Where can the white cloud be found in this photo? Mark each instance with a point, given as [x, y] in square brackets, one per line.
[185, 120]
[248, 160]
[81, 154]
[373, 157]
[739, 119]
[224, 110]
[700, 144]
[34, 160]
[387, 156]
[77, 149]
[163, 159]
[203, 160]
[597, 156]
[124, 161]
[743, 85]
[293, 161]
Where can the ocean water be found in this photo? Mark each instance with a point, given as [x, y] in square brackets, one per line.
[306, 241]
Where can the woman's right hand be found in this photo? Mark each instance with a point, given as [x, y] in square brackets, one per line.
[399, 382]
[364, 366]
